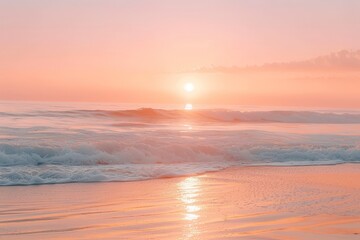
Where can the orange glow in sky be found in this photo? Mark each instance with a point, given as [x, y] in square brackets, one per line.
[223, 52]
[189, 87]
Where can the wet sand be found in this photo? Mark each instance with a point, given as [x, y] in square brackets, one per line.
[312, 202]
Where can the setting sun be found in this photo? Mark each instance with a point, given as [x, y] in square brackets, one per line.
[189, 87]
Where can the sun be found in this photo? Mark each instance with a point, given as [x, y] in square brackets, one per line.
[189, 87]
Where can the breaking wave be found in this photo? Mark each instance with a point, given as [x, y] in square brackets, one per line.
[142, 159]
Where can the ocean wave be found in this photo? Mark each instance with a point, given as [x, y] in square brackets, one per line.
[201, 115]
[62, 146]
[25, 165]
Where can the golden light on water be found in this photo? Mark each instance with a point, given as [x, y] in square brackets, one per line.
[189, 191]
[188, 106]
[188, 127]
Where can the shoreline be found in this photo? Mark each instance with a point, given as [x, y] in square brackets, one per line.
[252, 202]
[188, 175]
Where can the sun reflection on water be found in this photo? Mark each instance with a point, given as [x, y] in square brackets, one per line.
[189, 190]
[188, 126]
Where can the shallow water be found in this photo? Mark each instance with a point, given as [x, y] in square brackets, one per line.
[321, 202]
[43, 143]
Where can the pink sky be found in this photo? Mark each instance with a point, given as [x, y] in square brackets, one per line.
[144, 51]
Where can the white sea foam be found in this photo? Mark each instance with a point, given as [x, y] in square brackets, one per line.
[164, 155]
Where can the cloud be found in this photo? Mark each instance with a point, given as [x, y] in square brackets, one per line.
[338, 61]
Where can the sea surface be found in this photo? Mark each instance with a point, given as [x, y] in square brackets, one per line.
[47, 143]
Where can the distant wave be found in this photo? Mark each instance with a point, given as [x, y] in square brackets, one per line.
[149, 114]
[203, 115]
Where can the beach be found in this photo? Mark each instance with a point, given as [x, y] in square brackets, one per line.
[179, 120]
[306, 202]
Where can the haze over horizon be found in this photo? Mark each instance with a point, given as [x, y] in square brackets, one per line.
[300, 53]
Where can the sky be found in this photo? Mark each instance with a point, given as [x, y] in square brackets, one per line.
[251, 52]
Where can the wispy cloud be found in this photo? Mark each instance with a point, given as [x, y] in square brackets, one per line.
[339, 61]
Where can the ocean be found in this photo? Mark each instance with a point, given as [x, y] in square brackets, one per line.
[48, 143]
